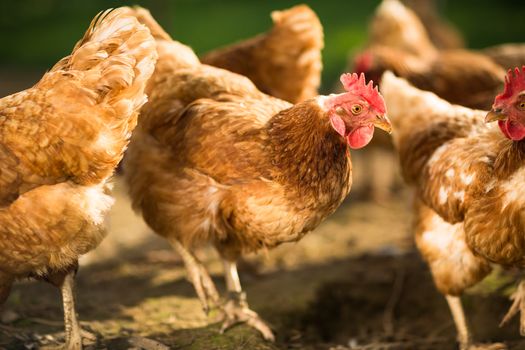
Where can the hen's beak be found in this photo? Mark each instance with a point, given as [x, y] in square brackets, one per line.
[495, 114]
[383, 123]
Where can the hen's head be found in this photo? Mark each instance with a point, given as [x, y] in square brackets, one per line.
[509, 106]
[355, 113]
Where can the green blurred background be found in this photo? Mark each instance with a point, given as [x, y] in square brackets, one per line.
[34, 34]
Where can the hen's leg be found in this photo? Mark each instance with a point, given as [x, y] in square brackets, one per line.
[464, 334]
[518, 305]
[65, 280]
[236, 309]
[73, 337]
[199, 277]
[441, 243]
[456, 309]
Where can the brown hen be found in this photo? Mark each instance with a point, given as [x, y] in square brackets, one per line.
[214, 160]
[60, 142]
[468, 178]
[399, 42]
[285, 62]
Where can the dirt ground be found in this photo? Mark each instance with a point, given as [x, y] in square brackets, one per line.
[354, 283]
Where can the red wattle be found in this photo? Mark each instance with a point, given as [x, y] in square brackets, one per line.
[512, 130]
[360, 137]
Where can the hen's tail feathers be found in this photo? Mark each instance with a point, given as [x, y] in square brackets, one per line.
[145, 17]
[284, 62]
[105, 78]
[422, 122]
[395, 25]
[300, 28]
[114, 59]
[172, 54]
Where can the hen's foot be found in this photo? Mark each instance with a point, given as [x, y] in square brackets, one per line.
[75, 342]
[518, 305]
[236, 311]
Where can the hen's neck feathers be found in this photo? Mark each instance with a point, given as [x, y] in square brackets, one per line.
[509, 159]
[307, 151]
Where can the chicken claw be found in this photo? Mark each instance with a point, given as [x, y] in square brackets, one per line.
[236, 310]
[518, 304]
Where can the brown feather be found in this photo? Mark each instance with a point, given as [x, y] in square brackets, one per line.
[216, 160]
[285, 62]
[468, 179]
[60, 142]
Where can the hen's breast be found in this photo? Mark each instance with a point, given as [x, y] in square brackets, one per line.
[49, 227]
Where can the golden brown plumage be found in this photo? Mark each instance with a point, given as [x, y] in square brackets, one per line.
[468, 181]
[60, 142]
[285, 62]
[214, 160]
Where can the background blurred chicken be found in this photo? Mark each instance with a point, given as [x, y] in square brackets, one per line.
[285, 62]
[462, 77]
[468, 178]
[398, 41]
[441, 32]
[216, 161]
[59, 144]
[396, 26]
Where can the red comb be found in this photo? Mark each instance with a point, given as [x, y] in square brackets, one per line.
[356, 84]
[513, 83]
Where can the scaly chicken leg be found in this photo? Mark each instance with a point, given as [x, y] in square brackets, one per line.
[456, 309]
[464, 334]
[73, 336]
[65, 281]
[518, 304]
[199, 277]
[236, 309]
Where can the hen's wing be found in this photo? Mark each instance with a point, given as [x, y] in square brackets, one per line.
[75, 122]
[233, 128]
[285, 62]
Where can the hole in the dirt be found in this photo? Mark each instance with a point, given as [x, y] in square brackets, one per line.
[390, 302]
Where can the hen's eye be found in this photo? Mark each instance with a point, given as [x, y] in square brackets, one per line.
[356, 109]
[521, 105]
